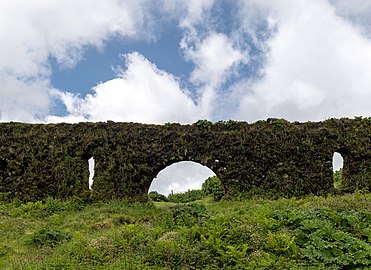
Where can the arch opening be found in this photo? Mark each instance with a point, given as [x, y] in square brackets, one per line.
[337, 168]
[181, 178]
[91, 163]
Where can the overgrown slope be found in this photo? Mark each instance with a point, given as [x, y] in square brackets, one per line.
[308, 233]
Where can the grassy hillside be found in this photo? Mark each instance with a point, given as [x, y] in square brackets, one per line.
[309, 233]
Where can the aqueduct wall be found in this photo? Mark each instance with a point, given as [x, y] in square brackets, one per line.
[267, 157]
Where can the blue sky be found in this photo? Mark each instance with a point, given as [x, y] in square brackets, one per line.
[97, 65]
[244, 60]
[179, 61]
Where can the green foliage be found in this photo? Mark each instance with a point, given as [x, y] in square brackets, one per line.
[76, 203]
[48, 237]
[54, 205]
[331, 238]
[30, 209]
[188, 196]
[274, 156]
[5, 249]
[309, 233]
[16, 202]
[4, 196]
[32, 206]
[282, 243]
[189, 214]
[338, 179]
[213, 187]
[231, 123]
[277, 121]
[157, 197]
[203, 124]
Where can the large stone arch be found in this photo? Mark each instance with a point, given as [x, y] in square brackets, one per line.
[272, 157]
[169, 163]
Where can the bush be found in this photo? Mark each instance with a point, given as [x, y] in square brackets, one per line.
[157, 197]
[76, 203]
[48, 237]
[213, 187]
[31, 209]
[188, 196]
[54, 205]
[330, 238]
[189, 215]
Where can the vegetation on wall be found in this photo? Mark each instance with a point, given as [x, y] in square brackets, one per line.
[273, 158]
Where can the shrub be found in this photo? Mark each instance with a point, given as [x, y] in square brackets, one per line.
[30, 206]
[31, 209]
[157, 197]
[76, 203]
[189, 214]
[213, 187]
[48, 237]
[54, 205]
[188, 196]
[330, 238]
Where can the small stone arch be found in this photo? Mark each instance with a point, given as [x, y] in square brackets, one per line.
[91, 164]
[337, 168]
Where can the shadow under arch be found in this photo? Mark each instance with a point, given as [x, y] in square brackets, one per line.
[179, 177]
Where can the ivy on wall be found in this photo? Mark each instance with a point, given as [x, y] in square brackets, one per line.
[272, 157]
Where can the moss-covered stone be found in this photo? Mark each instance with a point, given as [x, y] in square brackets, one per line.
[273, 157]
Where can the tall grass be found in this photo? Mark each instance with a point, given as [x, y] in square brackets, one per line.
[309, 233]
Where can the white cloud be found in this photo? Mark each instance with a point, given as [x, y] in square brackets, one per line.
[23, 100]
[60, 29]
[317, 67]
[190, 12]
[215, 58]
[355, 7]
[33, 31]
[356, 11]
[315, 55]
[141, 93]
[63, 30]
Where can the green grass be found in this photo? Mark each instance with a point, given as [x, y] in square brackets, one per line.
[308, 233]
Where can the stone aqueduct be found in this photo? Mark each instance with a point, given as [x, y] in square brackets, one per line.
[273, 157]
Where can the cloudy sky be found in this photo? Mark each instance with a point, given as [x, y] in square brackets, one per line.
[157, 61]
